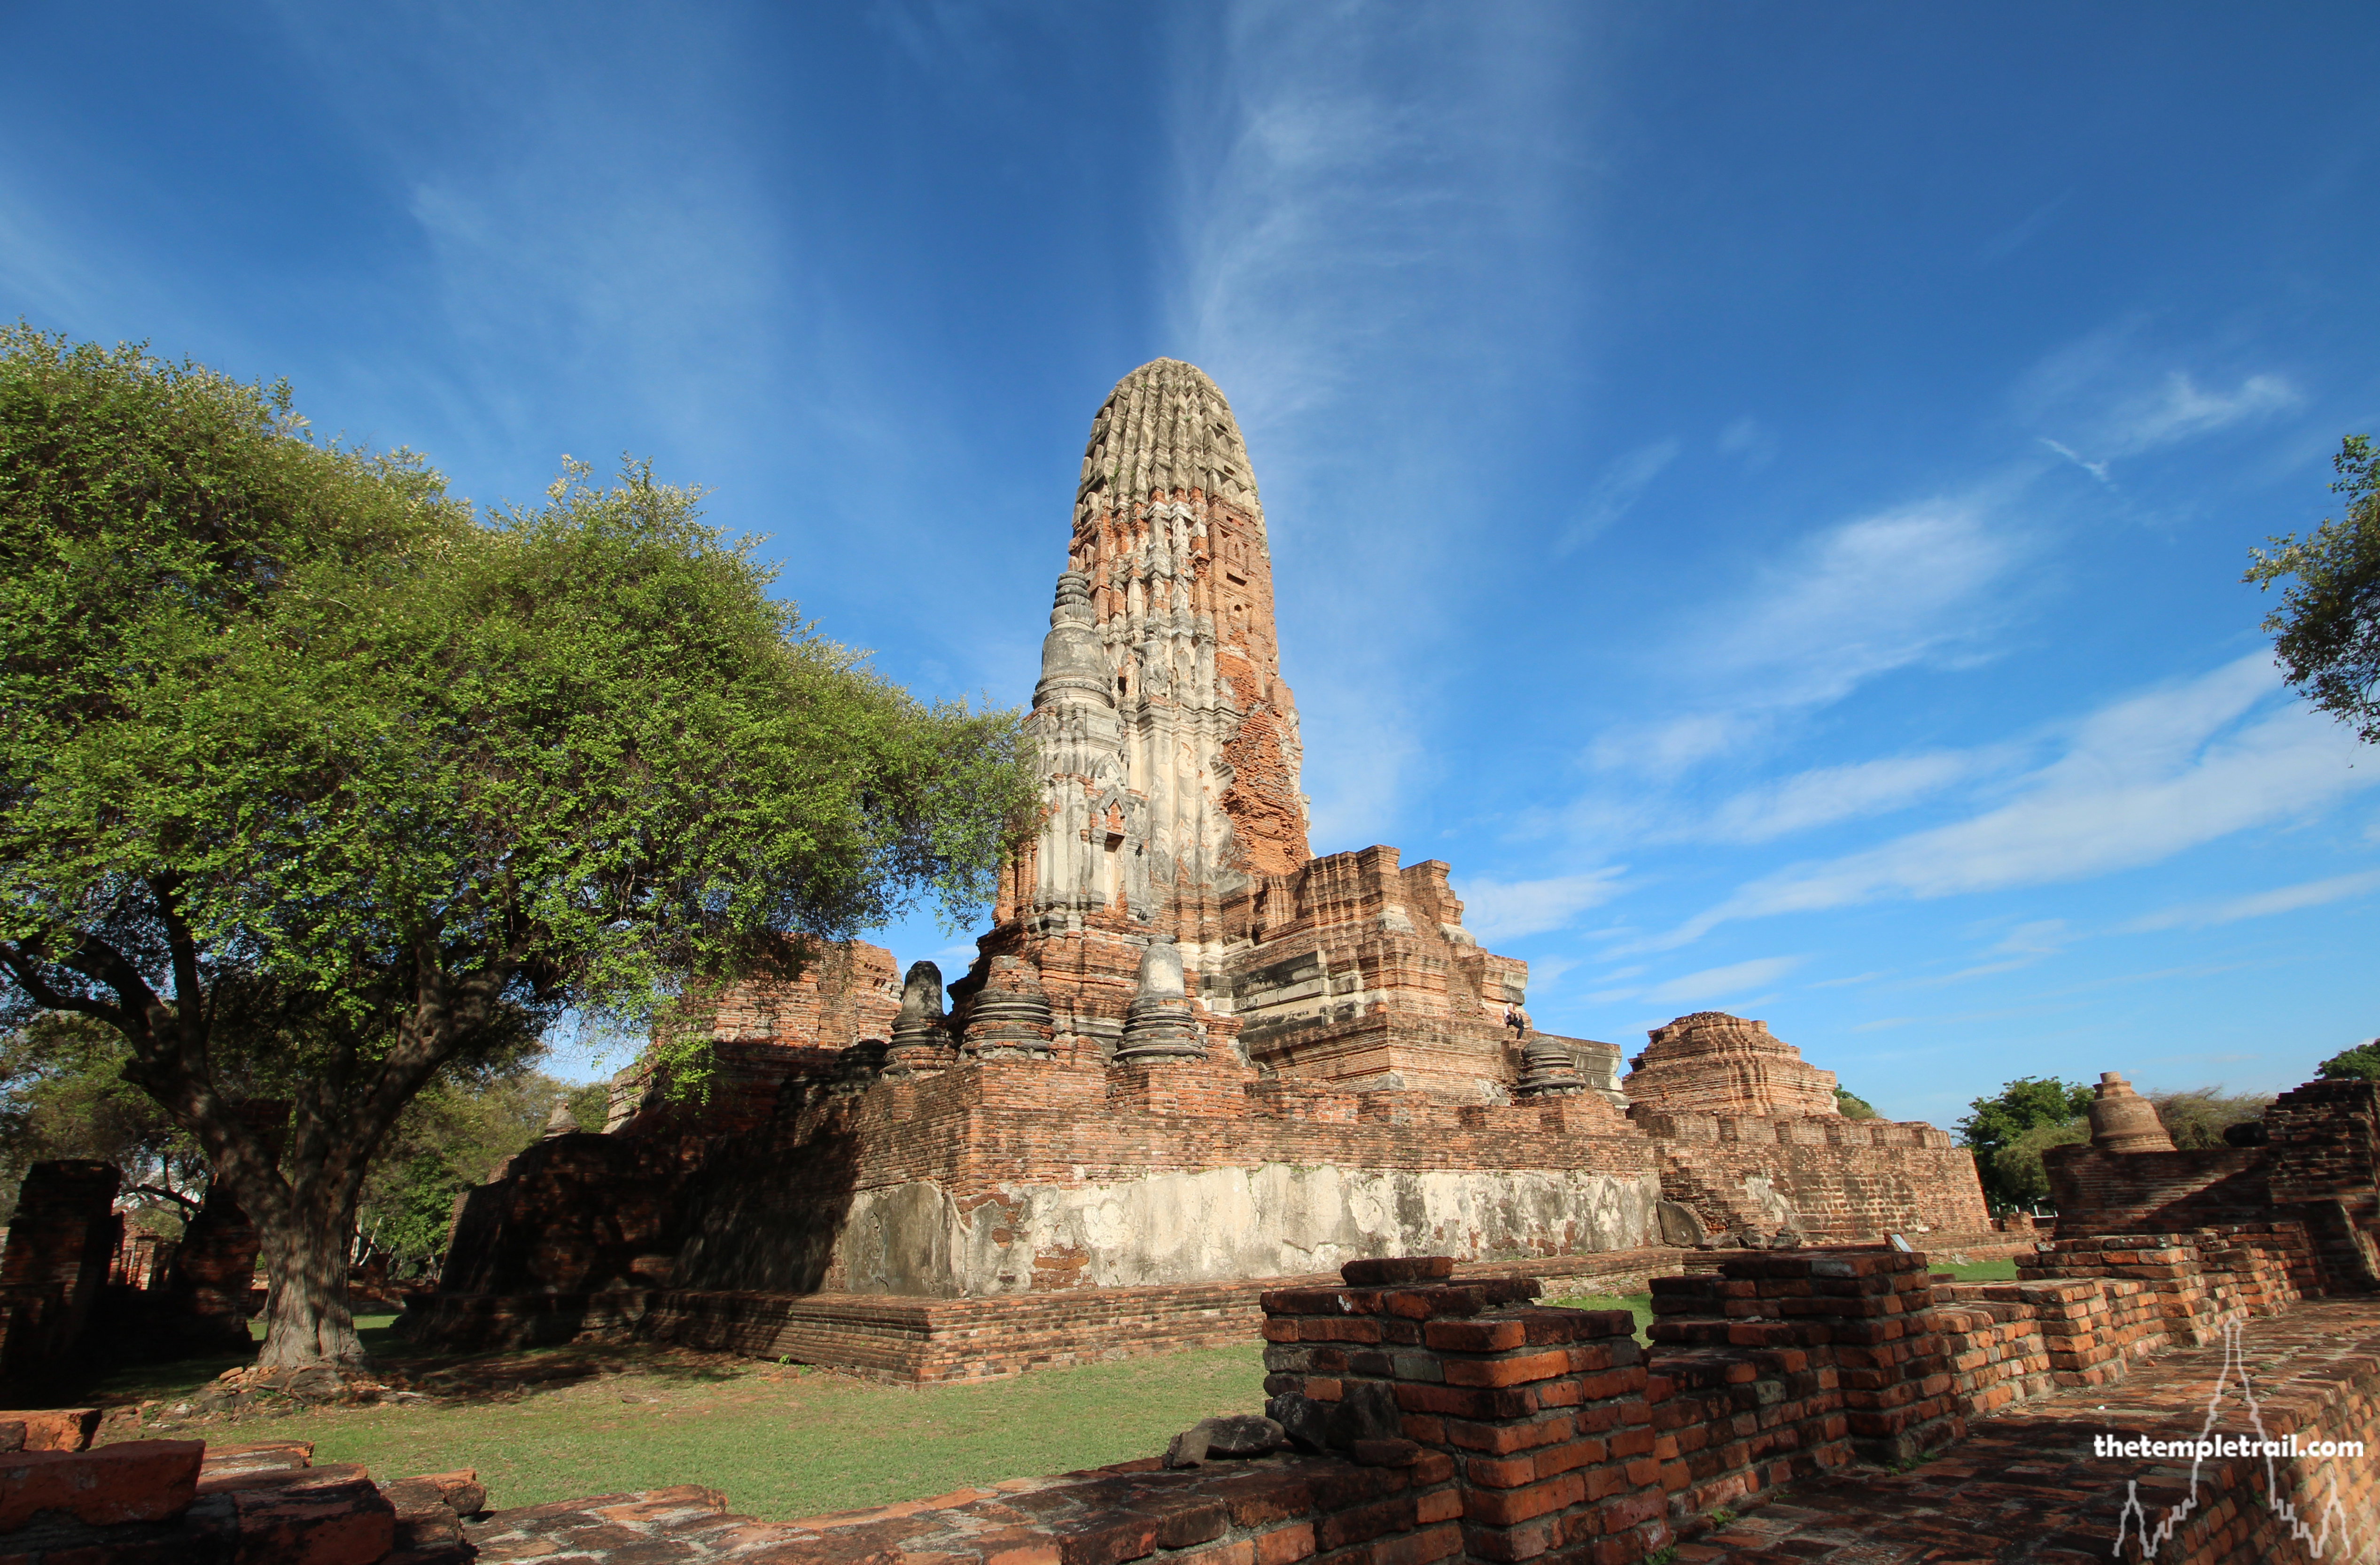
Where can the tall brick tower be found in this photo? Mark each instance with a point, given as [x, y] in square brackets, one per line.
[1168, 742]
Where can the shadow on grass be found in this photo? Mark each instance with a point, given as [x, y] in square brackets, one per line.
[501, 1376]
[478, 1378]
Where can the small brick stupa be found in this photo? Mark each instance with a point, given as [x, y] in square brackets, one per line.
[1714, 1064]
[2122, 1120]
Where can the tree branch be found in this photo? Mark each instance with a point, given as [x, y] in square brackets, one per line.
[27, 972]
[188, 1205]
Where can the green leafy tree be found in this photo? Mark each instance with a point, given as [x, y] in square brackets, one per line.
[456, 1134]
[2359, 1063]
[317, 787]
[1995, 1123]
[2017, 1173]
[63, 1095]
[1852, 1106]
[2327, 631]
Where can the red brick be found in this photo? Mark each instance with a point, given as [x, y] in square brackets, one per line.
[1499, 1473]
[1365, 1522]
[1039, 1552]
[1512, 1371]
[1435, 1467]
[1259, 1498]
[1285, 1545]
[1109, 1542]
[1243, 1552]
[1505, 1508]
[1190, 1522]
[137, 1481]
[53, 1428]
[1419, 1548]
[1508, 1544]
[347, 1522]
[1475, 1336]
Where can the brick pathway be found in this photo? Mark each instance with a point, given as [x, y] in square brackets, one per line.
[2025, 1486]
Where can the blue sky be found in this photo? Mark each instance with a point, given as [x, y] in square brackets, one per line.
[1760, 489]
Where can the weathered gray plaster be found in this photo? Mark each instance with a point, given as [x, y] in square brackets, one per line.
[1271, 1221]
[1764, 1194]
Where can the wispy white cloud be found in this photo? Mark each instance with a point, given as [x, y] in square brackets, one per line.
[1367, 212]
[1846, 983]
[570, 252]
[2020, 947]
[2015, 236]
[1668, 745]
[1860, 790]
[2142, 780]
[1495, 910]
[39, 263]
[2179, 408]
[1615, 492]
[1721, 983]
[1709, 983]
[2211, 911]
[1364, 188]
[1750, 439]
[1357, 783]
[1920, 584]
[2106, 397]
[2097, 469]
[2040, 937]
[1546, 973]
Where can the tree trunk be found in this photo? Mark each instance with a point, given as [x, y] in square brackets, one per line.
[308, 1320]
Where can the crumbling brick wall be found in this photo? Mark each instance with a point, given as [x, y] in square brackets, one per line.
[2082, 1311]
[1827, 1177]
[61, 1240]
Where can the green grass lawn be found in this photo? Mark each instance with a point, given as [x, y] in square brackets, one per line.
[1980, 1272]
[780, 1442]
[1638, 1304]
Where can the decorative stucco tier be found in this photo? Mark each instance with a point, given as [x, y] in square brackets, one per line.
[1189, 1051]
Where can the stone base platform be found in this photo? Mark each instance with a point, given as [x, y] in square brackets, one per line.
[926, 1341]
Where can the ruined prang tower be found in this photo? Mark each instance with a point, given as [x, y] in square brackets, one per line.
[1168, 742]
[1189, 1054]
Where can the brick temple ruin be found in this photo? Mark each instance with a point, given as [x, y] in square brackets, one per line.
[1201, 1087]
[1190, 1055]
